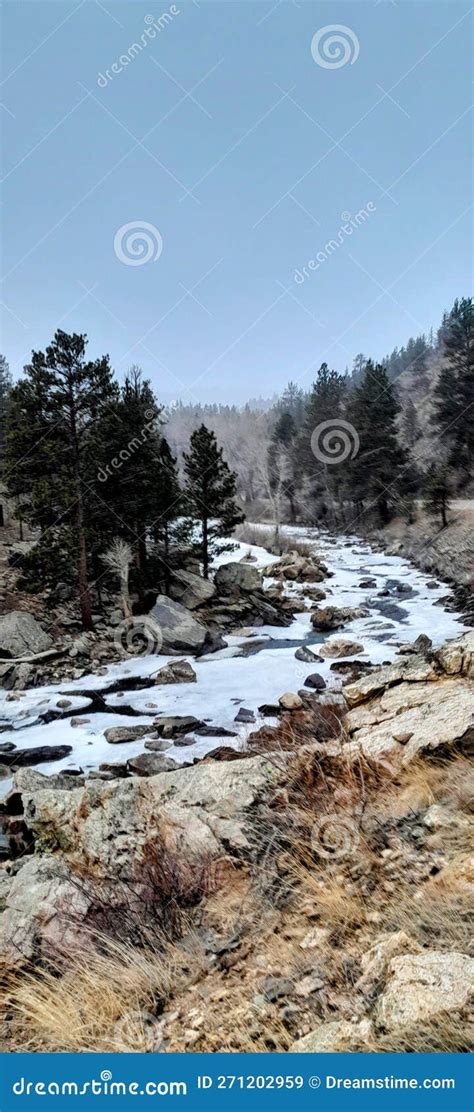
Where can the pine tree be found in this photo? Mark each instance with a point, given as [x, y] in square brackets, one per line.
[283, 461]
[53, 409]
[409, 426]
[375, 474]
[210, 494]
[454, 392]
[437, 492]
[5, 389]
[169, 528]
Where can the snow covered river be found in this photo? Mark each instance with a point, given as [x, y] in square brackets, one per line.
[227, 680]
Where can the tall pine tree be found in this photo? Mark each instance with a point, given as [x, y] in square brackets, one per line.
[454, 392]
[375, 475]
[53, 409]
[210, 493]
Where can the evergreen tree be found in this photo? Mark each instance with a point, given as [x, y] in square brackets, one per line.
[409, 426]
[127, 447]
[53, 409]
[437, 492]
[169, 529]
[324, 405]
[375, 474]
[210, 494]
[5, 389]
[283, 460]
[454, 392]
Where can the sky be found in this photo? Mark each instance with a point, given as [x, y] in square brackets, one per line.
[254, 188]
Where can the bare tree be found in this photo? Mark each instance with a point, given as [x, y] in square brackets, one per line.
[118, 559]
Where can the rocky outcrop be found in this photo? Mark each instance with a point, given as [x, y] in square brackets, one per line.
[191, 590]
[236, 577]
[415, 705]
[424, 986]
[294, 567]
[337, 1037]
[101, 831]
[326, 618]
[21, 635]
[180, 632]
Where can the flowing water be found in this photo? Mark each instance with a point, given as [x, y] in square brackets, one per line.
[253, 670]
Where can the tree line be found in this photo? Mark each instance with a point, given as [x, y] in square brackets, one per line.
[372, 469]
[86, 462]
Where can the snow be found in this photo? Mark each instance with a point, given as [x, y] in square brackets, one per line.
[225, 680]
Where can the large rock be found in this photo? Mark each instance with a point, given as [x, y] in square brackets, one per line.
[191, 590]
[235, 577]
[424, 986]
[22, 635]
[179, 630]
[340, 646]
[178, 671]
[338, 1036]
[411, 718]
[326, 618]
[115, 735]
[44, 911]
[457, 657]
[204, 810]
[411, 670]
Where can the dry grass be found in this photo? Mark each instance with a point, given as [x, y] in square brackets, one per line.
[99, 1003]
[266, 537]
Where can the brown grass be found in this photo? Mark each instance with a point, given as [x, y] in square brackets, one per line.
[265, 537]
[97, 1004]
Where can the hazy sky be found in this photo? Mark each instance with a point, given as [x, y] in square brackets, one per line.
[244, 140]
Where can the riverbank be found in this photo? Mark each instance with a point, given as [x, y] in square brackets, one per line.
[445, 552]
[307, 885]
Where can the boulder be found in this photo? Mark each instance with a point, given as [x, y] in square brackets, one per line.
[22, 635]
[118, 734]
[191, 590]
[415, 669]
[179, 630]
[290, 701]
[338, 1036]
[436, 716]
[169, 725]
[178, 671]
[149, 764]
[303, 653]
[44, 912]
[39, 754]
[457, 657]
[201, 810]
[326, 618]
[424, 986]
[235, 577]
[315, 681]
[339, 646]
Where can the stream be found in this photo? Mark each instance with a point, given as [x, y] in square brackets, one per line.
[252, 671]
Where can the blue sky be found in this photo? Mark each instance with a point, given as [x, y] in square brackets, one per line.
[246, 155]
